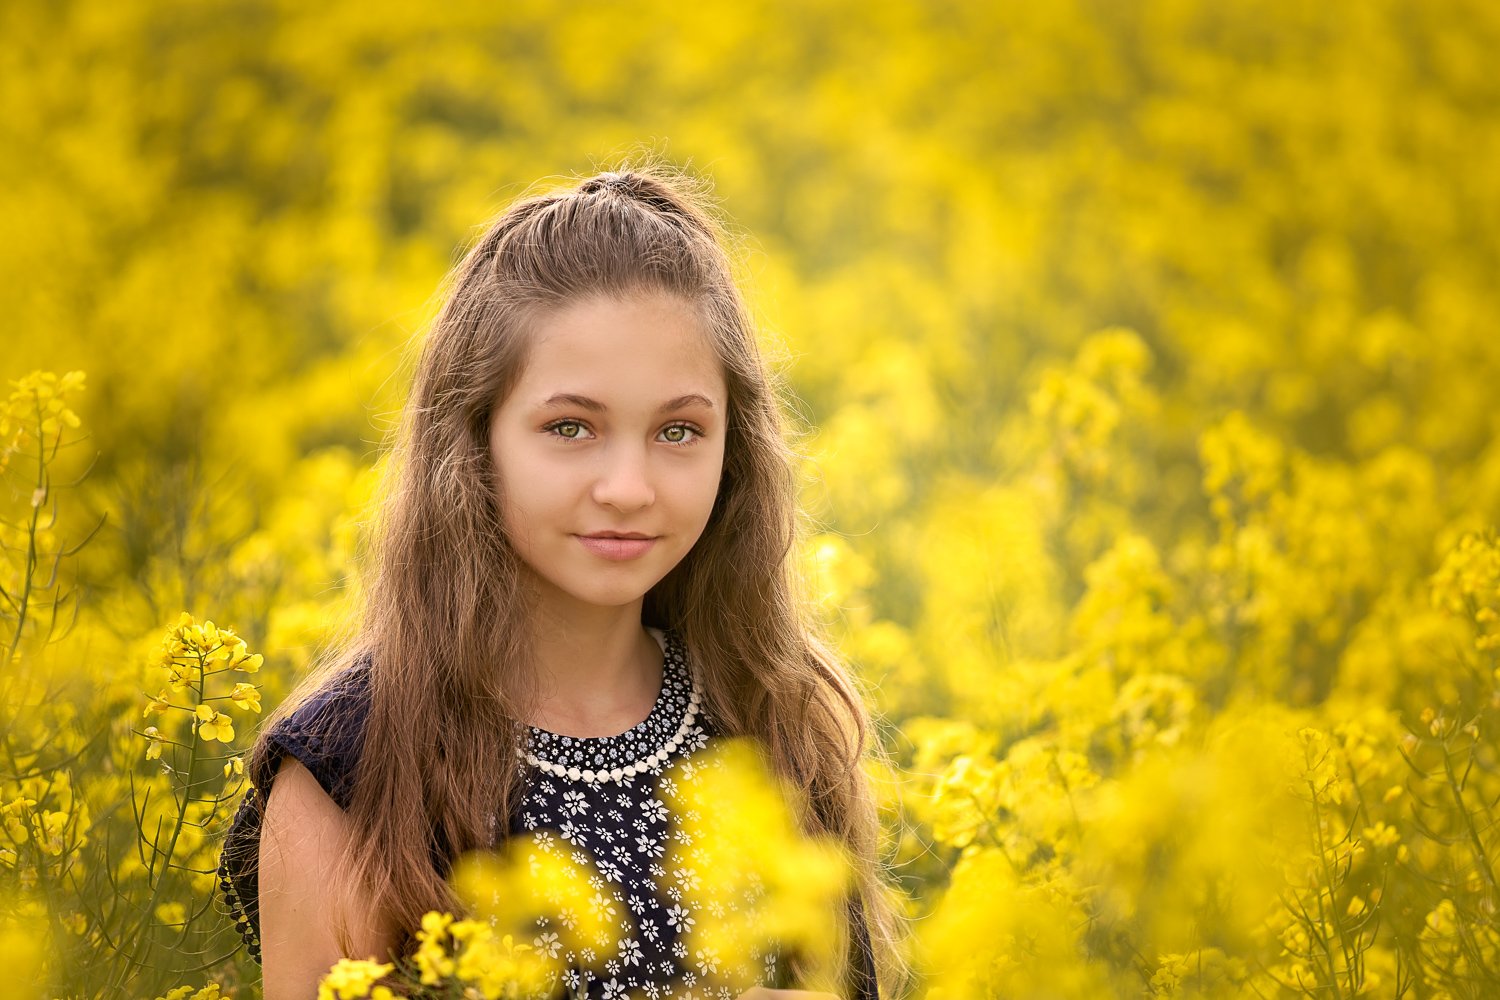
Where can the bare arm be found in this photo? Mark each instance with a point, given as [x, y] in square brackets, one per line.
[303, 887]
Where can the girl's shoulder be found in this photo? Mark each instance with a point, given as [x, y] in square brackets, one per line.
[325, 733]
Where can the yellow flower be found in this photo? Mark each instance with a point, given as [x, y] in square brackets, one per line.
[431, 957]
[171, 913]
[15, 827]
[511, 887]
[213, 725]
[769, 880]
[153, 743]
[159, 704]
[40, 393]
[192, 639]
[53, 829]
[181, 676]
[246, 696]
[351, 978]
[234, 765]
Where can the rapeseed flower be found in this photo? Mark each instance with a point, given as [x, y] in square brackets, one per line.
[471, 954]
[351, 978]
[209, 992]
[214, 725]
[764, 884]
[246, 696]
[431, 956]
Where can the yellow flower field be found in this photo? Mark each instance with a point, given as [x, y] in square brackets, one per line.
[1149, 380]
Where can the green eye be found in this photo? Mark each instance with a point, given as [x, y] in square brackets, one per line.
[568, 429]
[682, 432]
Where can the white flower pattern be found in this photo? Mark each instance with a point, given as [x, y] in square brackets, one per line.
[621, 829]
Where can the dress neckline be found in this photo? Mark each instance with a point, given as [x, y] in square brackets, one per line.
[651, 736]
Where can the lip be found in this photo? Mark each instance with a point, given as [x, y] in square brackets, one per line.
[617, 548]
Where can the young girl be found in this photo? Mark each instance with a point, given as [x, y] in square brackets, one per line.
[581, 580]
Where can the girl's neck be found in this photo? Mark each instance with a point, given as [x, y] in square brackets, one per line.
[596, 679]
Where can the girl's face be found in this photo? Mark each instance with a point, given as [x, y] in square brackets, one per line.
[616, 426]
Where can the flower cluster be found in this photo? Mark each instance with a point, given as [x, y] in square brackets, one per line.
[1467, 585]
[42, 824]
[512, 892]
[351, 977]
[36, 412]
[471, 952]
[756, 880]
[191, 655]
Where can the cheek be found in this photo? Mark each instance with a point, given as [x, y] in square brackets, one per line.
[699, 493]
[527, 495]
[518, 485]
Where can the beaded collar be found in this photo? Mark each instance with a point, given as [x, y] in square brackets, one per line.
[673, 722]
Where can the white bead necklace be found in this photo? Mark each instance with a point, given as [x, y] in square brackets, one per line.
[630, 770]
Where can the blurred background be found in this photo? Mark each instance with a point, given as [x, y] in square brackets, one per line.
[1147, 359]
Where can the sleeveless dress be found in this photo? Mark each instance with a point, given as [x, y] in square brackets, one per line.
[594, 800]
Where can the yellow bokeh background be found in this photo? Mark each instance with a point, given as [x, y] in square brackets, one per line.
[1146, 370]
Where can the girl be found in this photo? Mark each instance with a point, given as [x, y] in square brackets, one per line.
[581, 579]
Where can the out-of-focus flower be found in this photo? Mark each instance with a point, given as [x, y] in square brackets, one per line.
[351, 978]
[521, 881]
[37, 411]
[153, 743]
[1468, 585]
[209, 992]
[757, 880]
[470, 953]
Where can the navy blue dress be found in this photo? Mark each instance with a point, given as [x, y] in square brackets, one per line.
[594, 800]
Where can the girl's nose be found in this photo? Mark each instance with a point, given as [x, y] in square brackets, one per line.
[625, 481]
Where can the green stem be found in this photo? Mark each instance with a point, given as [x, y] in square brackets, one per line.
[149, 912]
[1333, 976]
[36, 513]
[1475, 843]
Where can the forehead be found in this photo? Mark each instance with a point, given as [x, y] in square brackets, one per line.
[642, 346]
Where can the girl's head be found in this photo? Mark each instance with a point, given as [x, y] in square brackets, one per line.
[618, 291]
[615, 425]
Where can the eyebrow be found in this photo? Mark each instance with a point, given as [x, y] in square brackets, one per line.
[594, 406]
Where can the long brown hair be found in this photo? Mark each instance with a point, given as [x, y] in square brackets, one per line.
[447, 617]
